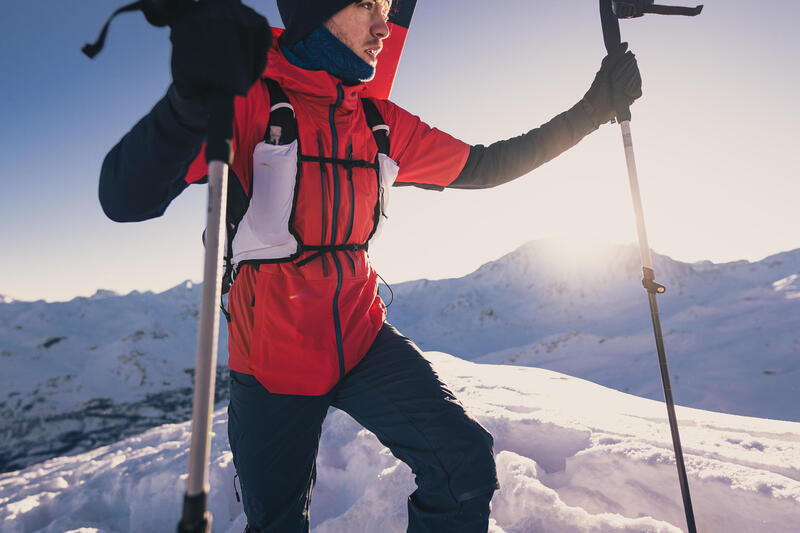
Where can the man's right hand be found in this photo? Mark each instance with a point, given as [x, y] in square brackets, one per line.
[218, 47]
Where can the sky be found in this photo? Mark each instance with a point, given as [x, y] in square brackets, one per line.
[714, 136]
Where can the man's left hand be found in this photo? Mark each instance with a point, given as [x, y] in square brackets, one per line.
[618, 80]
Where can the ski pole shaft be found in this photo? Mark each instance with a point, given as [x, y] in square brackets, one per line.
[612, 39]
[633, 178]
[673, 420]
[653, 289]
[195, 517]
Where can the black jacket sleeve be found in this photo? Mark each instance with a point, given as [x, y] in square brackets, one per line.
[145, 171]
[503, 161]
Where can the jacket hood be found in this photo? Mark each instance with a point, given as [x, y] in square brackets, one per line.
[316, 85]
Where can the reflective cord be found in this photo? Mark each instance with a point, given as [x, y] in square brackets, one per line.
[224, 311]
[391, 292]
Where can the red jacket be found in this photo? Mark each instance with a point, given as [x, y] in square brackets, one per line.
[299, 329]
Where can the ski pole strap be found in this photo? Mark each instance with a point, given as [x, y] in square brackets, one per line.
[610, 23]
[93, 49]
[612, 39]
[157, 12]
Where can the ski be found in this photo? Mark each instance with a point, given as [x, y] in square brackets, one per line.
[399, 22]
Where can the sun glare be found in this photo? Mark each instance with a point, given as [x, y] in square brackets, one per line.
[580, 255]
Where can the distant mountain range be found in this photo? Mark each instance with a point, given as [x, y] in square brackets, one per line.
[732, 331]
[79, 374]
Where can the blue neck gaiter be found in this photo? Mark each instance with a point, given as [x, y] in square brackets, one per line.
[320, 50]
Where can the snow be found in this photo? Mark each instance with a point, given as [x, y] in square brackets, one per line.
[80, 374]
[572, 456]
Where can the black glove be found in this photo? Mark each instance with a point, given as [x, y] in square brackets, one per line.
[218, 46]
[618, 78]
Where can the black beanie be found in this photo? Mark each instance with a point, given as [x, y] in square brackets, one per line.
[301, 17]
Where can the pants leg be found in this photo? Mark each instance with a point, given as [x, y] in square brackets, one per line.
[395, 393]
[274, 440]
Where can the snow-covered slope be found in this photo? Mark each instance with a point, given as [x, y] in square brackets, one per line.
[732, 331]
[572, 457]
[90, 371]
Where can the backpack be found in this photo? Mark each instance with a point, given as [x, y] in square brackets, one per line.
[281, 129]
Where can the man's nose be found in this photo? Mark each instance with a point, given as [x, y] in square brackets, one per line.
[380, 29]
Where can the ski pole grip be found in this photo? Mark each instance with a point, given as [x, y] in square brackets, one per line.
[610, 24]
[220, 129]
[612, 40]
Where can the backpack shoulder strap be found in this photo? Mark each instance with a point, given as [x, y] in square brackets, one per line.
[380, 130]
[282, 125]
[281, 129]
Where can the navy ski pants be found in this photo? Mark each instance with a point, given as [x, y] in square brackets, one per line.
[392, 392]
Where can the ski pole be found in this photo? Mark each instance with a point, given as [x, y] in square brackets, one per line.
[611, 36]
[195, 517]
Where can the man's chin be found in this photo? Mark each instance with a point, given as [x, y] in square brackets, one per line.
[370, 78]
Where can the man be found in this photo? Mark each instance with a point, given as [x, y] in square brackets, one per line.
[307, 329]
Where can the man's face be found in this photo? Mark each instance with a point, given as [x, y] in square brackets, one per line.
[362, 27]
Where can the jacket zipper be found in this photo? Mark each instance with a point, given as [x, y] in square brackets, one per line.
[323, 194]
[335, 152]
[352, 206]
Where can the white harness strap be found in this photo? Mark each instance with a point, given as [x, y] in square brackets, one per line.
[281, 105]
[380, 127]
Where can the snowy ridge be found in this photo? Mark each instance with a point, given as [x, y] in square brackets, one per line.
[583, 312]
[572, 457]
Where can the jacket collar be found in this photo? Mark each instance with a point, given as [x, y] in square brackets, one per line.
[315, 85]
